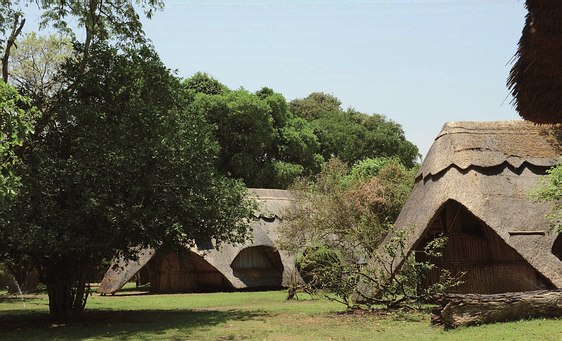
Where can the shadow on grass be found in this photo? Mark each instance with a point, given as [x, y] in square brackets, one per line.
[116, 324]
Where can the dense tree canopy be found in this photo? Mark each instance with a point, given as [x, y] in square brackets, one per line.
[268, 142]
[261, 142]
[121, 164]
[351, 135]
[201, 82]
[16, 123]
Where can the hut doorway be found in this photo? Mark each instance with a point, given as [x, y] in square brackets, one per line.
[489, 263]
[185, 271]
[259, 267]
[557, 247]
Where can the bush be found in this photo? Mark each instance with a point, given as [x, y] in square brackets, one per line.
[549, 189]
[358, 285]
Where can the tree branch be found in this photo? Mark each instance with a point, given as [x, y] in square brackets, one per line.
[16, 30]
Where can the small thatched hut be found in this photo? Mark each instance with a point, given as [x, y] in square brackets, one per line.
[473, 188]
[256, 264]
[536, 76]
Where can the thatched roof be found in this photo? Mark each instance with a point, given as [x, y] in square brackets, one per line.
[264, 233]
[536, 77]
[488, 144]
[490, 168]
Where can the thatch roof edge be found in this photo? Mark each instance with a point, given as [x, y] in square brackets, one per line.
[491, 144]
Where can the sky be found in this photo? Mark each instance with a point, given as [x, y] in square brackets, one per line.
[420, 63]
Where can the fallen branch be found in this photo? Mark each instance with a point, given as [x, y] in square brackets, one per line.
[472, 309]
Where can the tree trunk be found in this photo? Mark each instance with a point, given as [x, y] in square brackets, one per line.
[31, 281]
[470, 309]
[16, 30]
[67, 299]
[60, 301]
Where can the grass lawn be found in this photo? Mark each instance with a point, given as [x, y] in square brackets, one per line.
[239, 316]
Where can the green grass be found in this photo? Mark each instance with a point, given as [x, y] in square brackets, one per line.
[239, 316]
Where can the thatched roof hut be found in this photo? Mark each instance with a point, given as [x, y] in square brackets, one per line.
[255, 264]
[536, 77]
[473, 187]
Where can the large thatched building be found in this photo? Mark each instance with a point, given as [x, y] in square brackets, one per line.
[473, 187]
[255, 264]
[536, 76]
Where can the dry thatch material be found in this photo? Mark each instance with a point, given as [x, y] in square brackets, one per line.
[536, 77]
[264, 236]
[473, 187]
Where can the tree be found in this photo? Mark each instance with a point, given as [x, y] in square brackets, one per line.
[338, 223]
[351, 135]
[345, 211]
[315, 105]
[201, 82]
[36, 63]
[11, 25]
[121, 164]
[102, 21]
[261, 142]
[244, 131]
[295, 149]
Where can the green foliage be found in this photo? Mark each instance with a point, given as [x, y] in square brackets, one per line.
[315, 105]
[337, 224]
[368, 167]
[201, 82]
[383, 282]
[244, 131]
[267, 142]
[36, 62]
[351, 135]
[102, 21]
[549, 189]
[260, 141]
[325, 272]
[16, 117]
[122, 164]
[339, 209]
[9, 11]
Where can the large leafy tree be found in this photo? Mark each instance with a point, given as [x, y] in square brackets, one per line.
[120, 164]
[351, 135]
[115, 160]
[261, 142]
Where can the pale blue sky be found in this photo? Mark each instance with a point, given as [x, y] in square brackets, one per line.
[419, 62]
